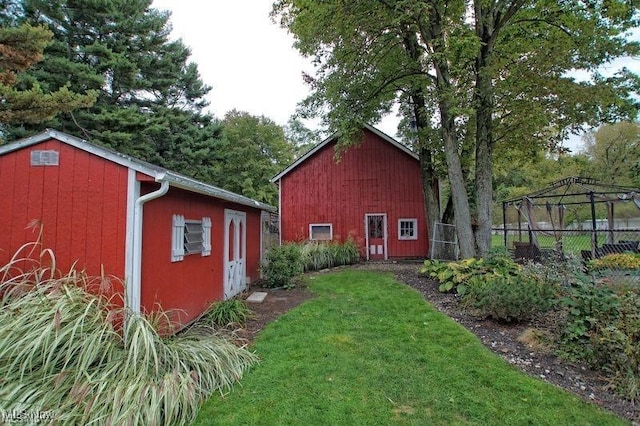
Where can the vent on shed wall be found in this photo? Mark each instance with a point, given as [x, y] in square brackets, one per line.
[44, 158]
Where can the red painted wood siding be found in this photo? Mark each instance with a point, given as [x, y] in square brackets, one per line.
[373, 177]
[81, 205]
[188, 287]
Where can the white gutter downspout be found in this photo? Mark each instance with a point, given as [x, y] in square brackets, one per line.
[133, 293]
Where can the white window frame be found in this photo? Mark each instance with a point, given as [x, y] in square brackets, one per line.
[414, 223]
[179, 247]
[312, 225]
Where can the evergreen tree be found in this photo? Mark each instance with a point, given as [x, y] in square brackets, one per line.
[22, 99]
[151, 100]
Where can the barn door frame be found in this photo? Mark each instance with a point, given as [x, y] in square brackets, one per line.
[385, 234]
[235, 252]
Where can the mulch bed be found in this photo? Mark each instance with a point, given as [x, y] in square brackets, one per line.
[512, 342]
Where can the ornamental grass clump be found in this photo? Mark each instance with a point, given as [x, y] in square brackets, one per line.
[283, 263]
[71, 353]
[228, 312]
[318, 255]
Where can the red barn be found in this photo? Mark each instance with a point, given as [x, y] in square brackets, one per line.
[177, 243]
[373, 195]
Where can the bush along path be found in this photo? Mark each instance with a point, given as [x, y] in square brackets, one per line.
[367, 350]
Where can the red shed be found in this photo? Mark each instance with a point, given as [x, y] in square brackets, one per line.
[177, 243]
[373, 194]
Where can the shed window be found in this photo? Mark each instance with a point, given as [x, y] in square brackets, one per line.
[321, 231]
[407, 229]
[45, 158]
[190, 237]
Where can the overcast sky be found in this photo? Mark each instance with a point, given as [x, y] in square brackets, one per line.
[249, 61]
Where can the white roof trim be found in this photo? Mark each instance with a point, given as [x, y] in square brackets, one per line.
[331, 138]
[158, 173]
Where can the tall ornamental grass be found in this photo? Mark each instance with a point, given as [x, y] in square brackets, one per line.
[321, 255]
[71, 353]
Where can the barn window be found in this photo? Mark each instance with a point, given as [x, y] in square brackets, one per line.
[320, 231]
[190, 237]
[45, 158]
[407, 229]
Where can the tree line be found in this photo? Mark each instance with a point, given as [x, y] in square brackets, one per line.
[486, 91]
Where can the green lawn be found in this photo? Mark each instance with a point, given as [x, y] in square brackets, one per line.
[370, 351]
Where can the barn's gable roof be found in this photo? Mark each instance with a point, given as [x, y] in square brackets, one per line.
[158, 173]
[333, 137]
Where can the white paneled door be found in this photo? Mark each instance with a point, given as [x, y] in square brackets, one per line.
[235, 252]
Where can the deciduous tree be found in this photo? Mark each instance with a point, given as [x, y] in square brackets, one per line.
[251, 151]
[614, 150]
[468, 75]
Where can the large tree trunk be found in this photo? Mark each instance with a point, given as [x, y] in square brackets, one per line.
[490, 18]
[445, 91]
[429, 189]
[484, 162]
[462, 212]
[427, 167]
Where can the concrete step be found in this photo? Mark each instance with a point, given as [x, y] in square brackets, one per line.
[256, 297]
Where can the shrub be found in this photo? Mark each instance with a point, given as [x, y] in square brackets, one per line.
[603, 329]
[508, 297]
[227, 312]
[560, 273]
[588, 307]
[615, 261]
[617, 350]
[453, 276]
[282, 264]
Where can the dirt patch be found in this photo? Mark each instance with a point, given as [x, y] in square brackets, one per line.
[277, 302]
[519, 344]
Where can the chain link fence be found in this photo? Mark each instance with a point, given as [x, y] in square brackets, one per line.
[605, 254]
